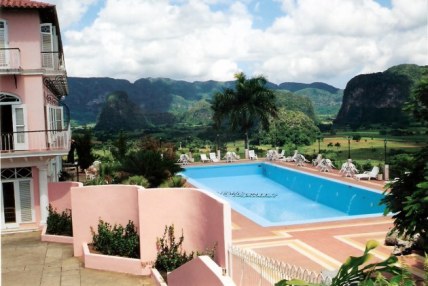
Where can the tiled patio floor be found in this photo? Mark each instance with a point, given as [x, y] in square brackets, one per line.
[320, 246]
[27, 261]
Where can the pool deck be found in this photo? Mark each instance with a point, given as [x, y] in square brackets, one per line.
[319, 246]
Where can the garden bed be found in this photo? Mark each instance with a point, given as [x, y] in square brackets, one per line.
[113, 263]
[158, 278]
[55, 238]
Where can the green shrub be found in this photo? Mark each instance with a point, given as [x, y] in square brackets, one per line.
[117, 240]
[367, 166]
[173, 182]
[170, 254]
[356, 271]
[59, 223]
[138, 180]
[150, 164]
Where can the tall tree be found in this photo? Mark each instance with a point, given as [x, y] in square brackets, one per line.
[408, 197]
[248, 104]
[83, 141]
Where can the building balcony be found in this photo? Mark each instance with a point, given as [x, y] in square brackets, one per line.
[10, 61]
[52, 63]
[35, 143]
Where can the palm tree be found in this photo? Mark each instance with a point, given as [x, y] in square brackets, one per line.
[245, 106]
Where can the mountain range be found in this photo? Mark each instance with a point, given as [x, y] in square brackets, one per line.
[163, 100]
[367, 98]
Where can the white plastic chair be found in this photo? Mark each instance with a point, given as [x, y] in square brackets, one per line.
[213, 157]
[368, 174]
[252, 155]
[204, 158]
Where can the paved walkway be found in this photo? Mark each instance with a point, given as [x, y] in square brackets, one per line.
[322, 246]
[26, 261]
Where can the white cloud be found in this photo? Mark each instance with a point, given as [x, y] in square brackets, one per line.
[71, 11]
[315, 40]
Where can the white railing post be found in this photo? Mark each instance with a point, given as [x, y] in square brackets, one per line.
[270, 270]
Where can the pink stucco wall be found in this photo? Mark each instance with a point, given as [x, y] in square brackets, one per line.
[115, 204]
[60, 195]
[24, 33]
[113, 263]
[200, 271]
[31, 92]
[205, 221]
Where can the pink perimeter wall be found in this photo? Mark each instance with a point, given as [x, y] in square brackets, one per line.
[60, 195]
[115, 204]
[205, 221]
[199, 271]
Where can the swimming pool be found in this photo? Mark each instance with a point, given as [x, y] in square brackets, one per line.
[273, 195]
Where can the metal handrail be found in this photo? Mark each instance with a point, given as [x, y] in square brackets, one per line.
[10, 58]
[57, 139]
[256, 269]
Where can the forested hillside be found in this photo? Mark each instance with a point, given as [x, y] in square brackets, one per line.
[379, 98]
[167, 101]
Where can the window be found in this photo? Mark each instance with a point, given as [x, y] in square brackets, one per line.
[49, 40]
[6, 99]
[4, 55]
[55, 120]
[16, 173]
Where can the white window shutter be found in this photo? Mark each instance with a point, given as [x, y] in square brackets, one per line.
[4, 54]
[47, 45]
[26, 205]
[20, 138]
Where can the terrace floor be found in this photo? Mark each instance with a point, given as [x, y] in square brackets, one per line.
[321, 246]
[27, 261]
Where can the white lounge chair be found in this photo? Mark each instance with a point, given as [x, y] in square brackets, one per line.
[231, 156]
[271, 155]
[368, 175]
[291, 158]
[89, 174]
[204, 158]
[235, 156]
[281, 155]
[214, 158]
[228, 157]
[317, 160]
[184, 159]
[300, 160]
[325, 165]
[252, 155]
[348, 169]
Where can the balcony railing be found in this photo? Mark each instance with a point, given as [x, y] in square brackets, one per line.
[37, 141]
[10, 59]
[53, 61]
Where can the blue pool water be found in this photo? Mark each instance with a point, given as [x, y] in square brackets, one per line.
[274, 195]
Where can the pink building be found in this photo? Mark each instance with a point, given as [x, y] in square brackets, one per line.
[35, 131]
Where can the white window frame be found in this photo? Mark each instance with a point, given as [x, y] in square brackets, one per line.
[47, 45]
[4, 43]
[55, 123]
[18, 210]
[20, 140]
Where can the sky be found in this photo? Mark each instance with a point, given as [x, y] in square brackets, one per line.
[304, 41]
